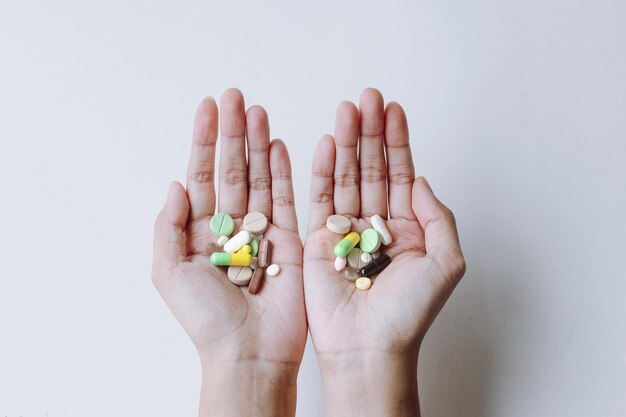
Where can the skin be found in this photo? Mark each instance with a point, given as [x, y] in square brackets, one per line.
[250, 347]
[367, 342]
[243, 340]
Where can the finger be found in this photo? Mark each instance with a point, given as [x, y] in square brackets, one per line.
[259, 180]
[372, 154]
[201, 167]
[169, 238]
[346, 176]
[442, 239]
[283, 201]
[400, 171]
[321, 199]
[233, 188]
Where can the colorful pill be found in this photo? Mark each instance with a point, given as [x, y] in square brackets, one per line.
[370, 241]
[222, 224]
[254, 244]
[245, 249]
[376, 265]
[256, 280]
[236, 242]
[343, 248]
[231, 259]
[379, 225]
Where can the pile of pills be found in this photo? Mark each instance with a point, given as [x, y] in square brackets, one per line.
[358, 263]
[247, 254]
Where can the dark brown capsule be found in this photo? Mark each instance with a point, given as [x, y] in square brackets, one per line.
[375, 266]
[265, 253]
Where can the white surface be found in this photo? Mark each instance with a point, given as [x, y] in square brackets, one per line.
[518, 118]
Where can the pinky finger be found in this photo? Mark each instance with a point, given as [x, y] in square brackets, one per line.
[283, 201]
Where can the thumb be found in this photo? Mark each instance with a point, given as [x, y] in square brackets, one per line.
[442, 239]
[169, 238]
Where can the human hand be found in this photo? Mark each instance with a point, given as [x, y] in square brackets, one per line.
[243, 340]
[367, 342]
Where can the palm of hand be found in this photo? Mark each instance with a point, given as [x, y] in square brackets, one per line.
[214, 311]
[404, 298]
[225, 321]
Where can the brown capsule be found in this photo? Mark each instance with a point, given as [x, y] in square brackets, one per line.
[376, 265]
[264, 254]
[256, 280]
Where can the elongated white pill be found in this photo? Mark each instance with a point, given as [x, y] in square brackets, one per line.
[379, 225]
[236, 242]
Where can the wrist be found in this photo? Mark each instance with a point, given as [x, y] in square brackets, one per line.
[250, 387]
[370, 383]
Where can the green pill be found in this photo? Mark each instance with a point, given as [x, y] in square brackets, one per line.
[254, 244]
[343, 248]
[370, 241]
[222, 224]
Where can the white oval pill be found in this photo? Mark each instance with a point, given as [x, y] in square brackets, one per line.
[221, 241]
[272, 270]
[255, 222]
[254, 264]
[338, 224]
[366, 258]
[379, 225]
[239, 275]
[340, 263]
[236, 242]
[363, 283]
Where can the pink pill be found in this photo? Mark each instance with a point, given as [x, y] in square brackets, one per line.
[340, 263]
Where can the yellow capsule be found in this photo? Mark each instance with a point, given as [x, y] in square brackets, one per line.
[231, 259]
[343, 248]
[245, 249]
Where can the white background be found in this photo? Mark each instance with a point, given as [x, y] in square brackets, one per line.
[517, 112]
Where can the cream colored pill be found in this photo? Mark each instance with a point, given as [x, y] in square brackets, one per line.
[363, 283]
[340, 263]
[354, 258]
[236, 242]
[239, 275]
[258, 237]
[221, 241]
[272, 270]
[338, 224]
[379, 225]
[366, 258]
[255, 261]
[255, 222]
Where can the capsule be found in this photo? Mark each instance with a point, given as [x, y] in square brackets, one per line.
[376, 265]
[343, 248]
[231, 259]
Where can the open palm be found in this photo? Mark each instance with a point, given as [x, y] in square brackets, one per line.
[225, 321]
[426, 257]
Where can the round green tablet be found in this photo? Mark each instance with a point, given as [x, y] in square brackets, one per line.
[370, 241]
[222, 224]
[254, 244]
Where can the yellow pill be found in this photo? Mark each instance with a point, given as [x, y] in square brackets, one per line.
[245, 249]
[343, 248]
[363, 283]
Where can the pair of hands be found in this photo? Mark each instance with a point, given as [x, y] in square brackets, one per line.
[367, 342]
